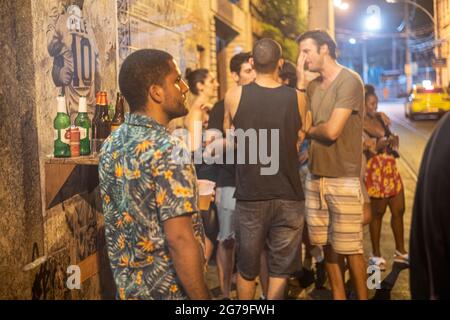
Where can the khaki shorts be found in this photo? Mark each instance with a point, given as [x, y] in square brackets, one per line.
[334, 213]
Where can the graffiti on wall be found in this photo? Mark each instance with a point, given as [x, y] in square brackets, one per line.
[81, 219]
[50, 280]
[157, 24]
[72, 45]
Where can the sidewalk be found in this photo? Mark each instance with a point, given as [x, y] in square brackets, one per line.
[401, 288]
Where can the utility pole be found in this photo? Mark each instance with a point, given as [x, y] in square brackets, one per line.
[408, 62]
[394, 54]
[365, 64]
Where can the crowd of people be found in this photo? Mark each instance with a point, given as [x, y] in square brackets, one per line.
[336, 172]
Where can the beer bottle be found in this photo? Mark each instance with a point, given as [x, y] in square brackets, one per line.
[101, 123]
[84, 125]
[95, 118]
[61, 124]
[119, 116]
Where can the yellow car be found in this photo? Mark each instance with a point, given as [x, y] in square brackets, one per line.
[422, 101]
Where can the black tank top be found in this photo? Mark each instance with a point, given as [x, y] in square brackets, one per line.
[269, 108]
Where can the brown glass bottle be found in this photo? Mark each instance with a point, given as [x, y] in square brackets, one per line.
[101, 124]
[119, 115]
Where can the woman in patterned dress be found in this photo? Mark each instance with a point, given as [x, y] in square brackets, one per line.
[383, 182]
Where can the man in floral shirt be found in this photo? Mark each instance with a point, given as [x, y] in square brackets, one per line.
[153, 230]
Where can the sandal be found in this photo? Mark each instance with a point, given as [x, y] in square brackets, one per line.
[401, 258]
[379, 262]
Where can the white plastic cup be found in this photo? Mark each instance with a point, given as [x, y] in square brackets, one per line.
[205, 190]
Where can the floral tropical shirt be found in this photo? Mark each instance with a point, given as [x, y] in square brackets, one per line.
[142, 185]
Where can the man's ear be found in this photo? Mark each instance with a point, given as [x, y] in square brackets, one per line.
[324, 49]
[235, 76]
[281, 63]
[252, 62]
[156, 93]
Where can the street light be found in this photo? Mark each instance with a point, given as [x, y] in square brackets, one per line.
[344, 6]
[341, 5]
[373, 21]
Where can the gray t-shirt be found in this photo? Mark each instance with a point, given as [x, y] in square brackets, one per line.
[341, 158]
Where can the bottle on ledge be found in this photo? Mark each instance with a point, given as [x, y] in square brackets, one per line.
[61, 125]
[84, 125]
[101, 124]
[119, 115]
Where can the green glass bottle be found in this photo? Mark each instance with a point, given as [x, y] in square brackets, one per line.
[61, 124]
[83, 122]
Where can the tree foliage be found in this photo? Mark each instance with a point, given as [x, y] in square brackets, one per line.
[281, 21]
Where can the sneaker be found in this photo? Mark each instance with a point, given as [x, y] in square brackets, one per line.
[382, 294]
[321, 275]
[306, 278]
[401, 258]
[379, 262]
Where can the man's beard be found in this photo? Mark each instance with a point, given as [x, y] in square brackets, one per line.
[179, 111]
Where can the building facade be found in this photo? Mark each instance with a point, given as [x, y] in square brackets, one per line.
[442, 17]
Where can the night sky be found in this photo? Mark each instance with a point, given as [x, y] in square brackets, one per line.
[351, 23]
[391, 15]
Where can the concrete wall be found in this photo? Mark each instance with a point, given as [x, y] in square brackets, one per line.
[442, 16]
[20, 200]
[321, 15]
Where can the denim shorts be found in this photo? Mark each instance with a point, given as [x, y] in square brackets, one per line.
[226, 207]
[276, 225]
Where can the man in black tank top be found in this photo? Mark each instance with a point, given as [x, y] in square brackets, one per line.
[269, 209]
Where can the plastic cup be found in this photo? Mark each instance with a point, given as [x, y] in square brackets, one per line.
[206, 190]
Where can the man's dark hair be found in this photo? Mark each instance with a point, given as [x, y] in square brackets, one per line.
[139, 71]
[238, 60]
[266, 54]
[195, 76]
[320, 37]
[289, 72]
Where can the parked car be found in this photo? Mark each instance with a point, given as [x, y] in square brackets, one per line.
[427, 102]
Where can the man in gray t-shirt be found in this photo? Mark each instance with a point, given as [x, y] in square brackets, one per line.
[334, 200]
[340, 157]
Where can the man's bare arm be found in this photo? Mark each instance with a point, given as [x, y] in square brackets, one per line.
[331, 130]
[187, 256]
[232, 98]
[305, 117]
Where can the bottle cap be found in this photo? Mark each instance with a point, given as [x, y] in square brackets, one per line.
[103, 98]
[82, 105]
[61, 104]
